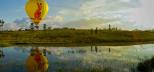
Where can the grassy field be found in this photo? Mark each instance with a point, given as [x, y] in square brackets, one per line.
[70, 36]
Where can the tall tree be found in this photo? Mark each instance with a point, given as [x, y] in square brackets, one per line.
[109, 27]
[44, 26]
[2, 24]
[32, 26]
[96, 30]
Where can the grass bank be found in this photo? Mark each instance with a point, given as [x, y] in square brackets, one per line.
[71, 36]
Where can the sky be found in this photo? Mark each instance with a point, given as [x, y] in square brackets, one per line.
[84, 14]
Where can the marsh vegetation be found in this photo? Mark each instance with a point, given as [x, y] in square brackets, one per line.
[70, 36]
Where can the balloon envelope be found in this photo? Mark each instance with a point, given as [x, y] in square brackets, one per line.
[36, 10]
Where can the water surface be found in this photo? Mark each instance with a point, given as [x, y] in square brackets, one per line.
[79, 59]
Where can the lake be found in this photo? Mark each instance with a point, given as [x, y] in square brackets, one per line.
[78, 59]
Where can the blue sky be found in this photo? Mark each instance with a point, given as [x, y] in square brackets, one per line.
[125, 14]
[12, 9]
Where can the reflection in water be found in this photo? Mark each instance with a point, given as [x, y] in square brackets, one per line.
[109, 49]
[97, 49]
[94, 49]
[37, 61]
[74, 59]
[2, 53]
[44, 51]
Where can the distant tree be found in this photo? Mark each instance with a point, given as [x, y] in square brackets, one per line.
[32, 26]
[20, 29]
[109, 27]
[65, 28]
[136, 30]
[56, 28]
[152, 30]
[44, 26]
[91, 31]
[2, 23]
[49, 28]
[116, 28]
[96, 30]
[37, 27]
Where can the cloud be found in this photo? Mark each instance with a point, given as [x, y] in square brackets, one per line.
[57, 18]
[10, 26]
[17, 24]
[143, 15]
[23, 20]
[108, 10]
[53, 21]
[24, 23]
[101, 8]
[89, 23]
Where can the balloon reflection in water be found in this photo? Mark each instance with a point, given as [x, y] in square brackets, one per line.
[37, 61]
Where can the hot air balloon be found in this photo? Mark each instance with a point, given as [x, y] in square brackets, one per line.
[36, 10]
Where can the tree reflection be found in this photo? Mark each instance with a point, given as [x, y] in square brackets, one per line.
[37, 61]
[2, 53]
[95, 49]
[45, 51]
[109, 49]
[72, 51]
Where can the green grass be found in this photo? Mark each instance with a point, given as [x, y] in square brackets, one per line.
[74, 36]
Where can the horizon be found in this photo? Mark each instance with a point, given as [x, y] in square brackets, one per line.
[87, 14]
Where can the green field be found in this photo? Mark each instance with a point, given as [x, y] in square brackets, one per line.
[72, 36]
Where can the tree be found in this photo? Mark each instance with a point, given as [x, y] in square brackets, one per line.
[91, 31]
[49, 28]
[96, 30]
[2, 23]
[32, 26]
[109, 27]
[44, 26]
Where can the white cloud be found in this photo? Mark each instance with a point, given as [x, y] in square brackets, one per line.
[17, 24]
[143, 15]
[107, 8]
[11, 26]
[89, 23]
[24, 23]
[102, 9]
[53, 21]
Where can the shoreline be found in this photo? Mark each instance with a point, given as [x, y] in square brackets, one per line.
[76, 44]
